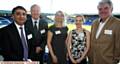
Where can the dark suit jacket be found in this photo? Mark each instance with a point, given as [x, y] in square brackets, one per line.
[12, 49]
[0, 42]
[41, 38]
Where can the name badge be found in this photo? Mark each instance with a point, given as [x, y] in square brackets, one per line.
[58, 32]
[42, 31]
[29, 36]
[109, 32]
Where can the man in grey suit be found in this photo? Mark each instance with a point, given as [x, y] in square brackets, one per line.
[38, 27]
[105, 36]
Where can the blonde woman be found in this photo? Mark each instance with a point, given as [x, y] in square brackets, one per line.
[78, 43]
[57, 35]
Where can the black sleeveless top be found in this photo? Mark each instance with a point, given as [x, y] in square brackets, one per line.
[58, 42]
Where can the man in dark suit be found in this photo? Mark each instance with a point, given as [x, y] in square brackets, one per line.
[38, 27]
[16, 39]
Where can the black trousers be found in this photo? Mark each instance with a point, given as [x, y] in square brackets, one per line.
[84, 61]
[38, 57]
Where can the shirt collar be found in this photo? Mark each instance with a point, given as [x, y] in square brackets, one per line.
[100, 20]
[18, 26]
[35, 20]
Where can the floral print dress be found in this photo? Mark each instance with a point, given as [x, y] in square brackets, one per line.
[78, 43]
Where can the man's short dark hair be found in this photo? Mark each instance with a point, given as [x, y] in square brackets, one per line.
[18, 7]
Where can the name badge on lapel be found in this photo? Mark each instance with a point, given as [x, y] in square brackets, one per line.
[109, 32]
[57, 32]
[42, 31]
[29, 36]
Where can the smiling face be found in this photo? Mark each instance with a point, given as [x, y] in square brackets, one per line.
[79, 21]
[59, 16]
[35, 12]
[105, 10]
[19, 16]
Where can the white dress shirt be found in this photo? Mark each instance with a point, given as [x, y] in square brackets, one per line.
[19, 30]
[33, 21]
[100, 27]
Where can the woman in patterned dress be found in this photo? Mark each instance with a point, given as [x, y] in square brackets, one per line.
[78, 43]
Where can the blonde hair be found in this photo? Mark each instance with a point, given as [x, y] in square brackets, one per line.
[83, 18]
[61, 12]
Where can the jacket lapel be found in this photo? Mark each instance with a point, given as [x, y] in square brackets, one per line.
[16, 33]
[109, 22]
[95, 28]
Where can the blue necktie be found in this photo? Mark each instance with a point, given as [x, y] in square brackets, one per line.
[24, 43]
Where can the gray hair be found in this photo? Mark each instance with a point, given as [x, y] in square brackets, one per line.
[109, 2]
[34, 5]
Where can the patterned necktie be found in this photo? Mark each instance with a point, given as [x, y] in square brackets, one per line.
[24, 43]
